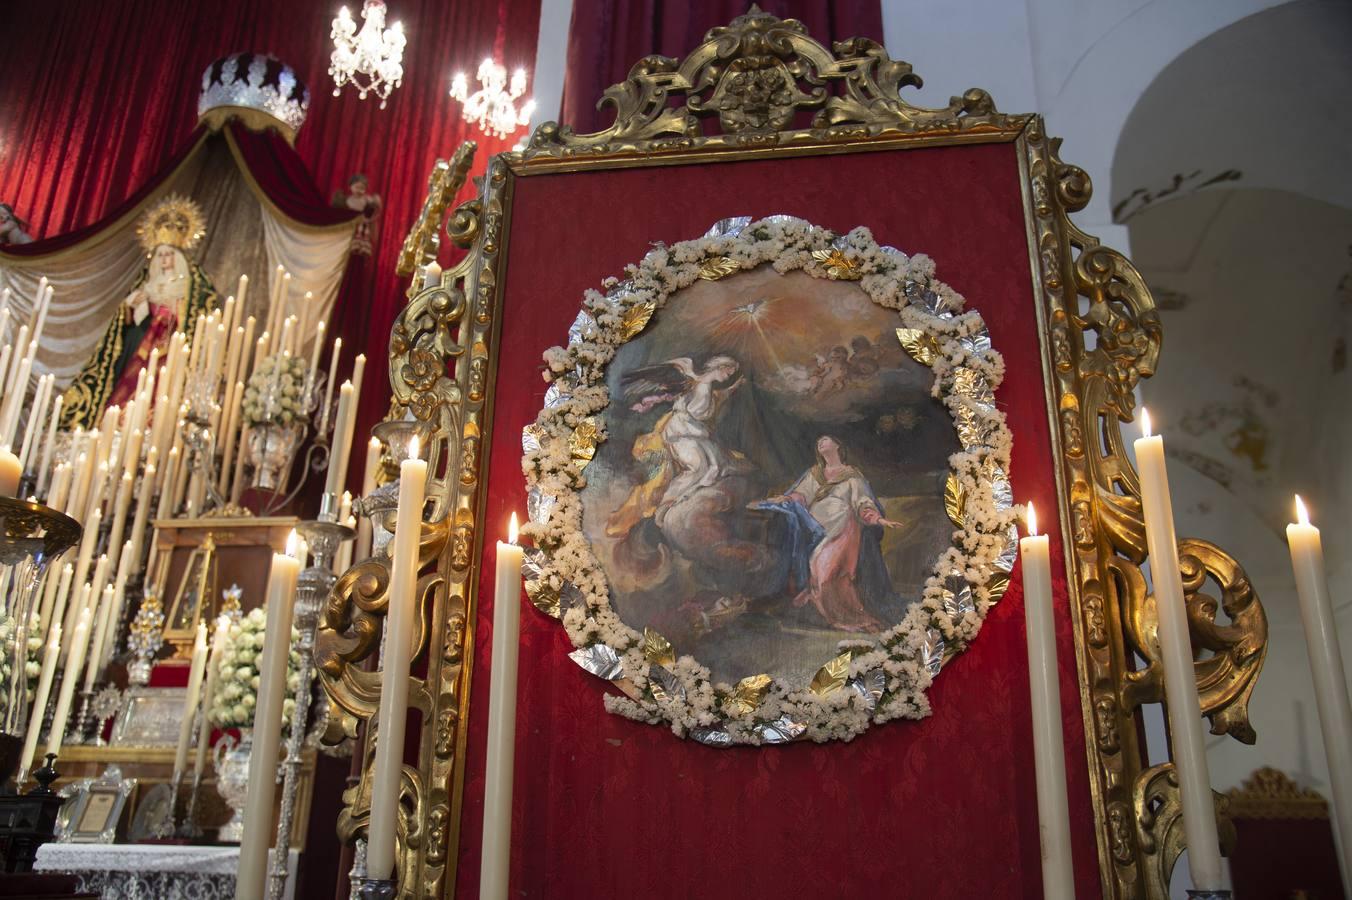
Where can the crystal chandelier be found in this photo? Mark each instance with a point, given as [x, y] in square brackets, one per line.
[371, 59]
[493, 106]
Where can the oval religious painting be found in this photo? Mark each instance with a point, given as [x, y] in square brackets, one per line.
[751, 480]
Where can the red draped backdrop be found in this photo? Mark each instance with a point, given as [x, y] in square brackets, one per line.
[97, 96]
[607, 37]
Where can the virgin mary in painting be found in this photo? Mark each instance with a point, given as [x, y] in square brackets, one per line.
[836, 536]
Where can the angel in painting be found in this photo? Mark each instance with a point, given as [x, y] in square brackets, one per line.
[681, 451]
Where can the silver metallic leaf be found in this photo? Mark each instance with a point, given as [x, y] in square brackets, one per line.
[932, 652]
[870, 685]
[665, 685]
[781, 730]
[1009, 553]
[554, 395]
[957, 596]
[538, 506]
[712, 737]
[978, 343]
[582, 326]
[530, 437]
[1001, 493]
[728, 227]
[599, 659]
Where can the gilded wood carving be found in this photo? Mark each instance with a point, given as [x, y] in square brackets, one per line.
[736, 96]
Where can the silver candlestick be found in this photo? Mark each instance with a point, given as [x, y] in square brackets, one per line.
[312, 589]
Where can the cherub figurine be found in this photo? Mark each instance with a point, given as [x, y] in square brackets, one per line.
[359, 199]
[12, 228]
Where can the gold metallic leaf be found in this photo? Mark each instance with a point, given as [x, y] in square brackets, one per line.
[747, 695]
[582, 442]
[657, 649]
[954, 499]
[635, 318]
[831, 677]
[544, 598]
[838, 265]
[997, 584]
[718, 267]
[922, 347]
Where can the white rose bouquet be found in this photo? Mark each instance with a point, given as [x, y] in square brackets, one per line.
[237, 678]
[276, 391]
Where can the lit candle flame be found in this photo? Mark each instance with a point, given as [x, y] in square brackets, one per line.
[292, 543]
[1145, 422]
[1032, 520]
[1302, 514]
[511, 530]
[413, 447]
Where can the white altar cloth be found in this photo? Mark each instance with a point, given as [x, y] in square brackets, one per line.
[151, 871]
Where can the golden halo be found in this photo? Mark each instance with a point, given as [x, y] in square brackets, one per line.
[175, 220]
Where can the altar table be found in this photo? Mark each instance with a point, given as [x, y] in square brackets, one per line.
[151, 871]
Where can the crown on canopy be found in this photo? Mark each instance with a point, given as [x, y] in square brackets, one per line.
[176, 221]
[257, 82]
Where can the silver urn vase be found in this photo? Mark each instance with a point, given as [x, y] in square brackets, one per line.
[232, 781]
[272, 448]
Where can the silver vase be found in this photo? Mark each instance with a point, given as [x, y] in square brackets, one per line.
[272, 448]
[232, 781]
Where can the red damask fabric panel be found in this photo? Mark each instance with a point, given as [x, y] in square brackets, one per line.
[943, 808]
[607, 37]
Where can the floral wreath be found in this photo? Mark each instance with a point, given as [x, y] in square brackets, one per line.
[876, 679]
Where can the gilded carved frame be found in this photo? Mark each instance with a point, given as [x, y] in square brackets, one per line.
[1100, 335]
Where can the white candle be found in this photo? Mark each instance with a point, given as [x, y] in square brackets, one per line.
[78, 644]
[218, 639]
[125, 564]
[251, 879]
[496, 855]
[374, 449]
[1049, 759]
[1180, 678]
[315, 349]
[30, 741]
[56, 605]
[185, 726]
[358, 371]
[329, 386]
[431, 275]
[102, 610]
[10, 472]
[143, 504]
[49, 443]
[342, 440]
[1326, 667]
[400, 617]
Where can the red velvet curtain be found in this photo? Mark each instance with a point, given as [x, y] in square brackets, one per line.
[96, 97]
[607, 37]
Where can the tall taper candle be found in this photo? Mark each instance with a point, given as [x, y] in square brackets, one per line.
[1326, 667]
[374, 449]
[10, 472]
[394, 664]
[1049, 758]
[185, 726]
[342, 440]
[1180, 678]
[218, 639]
[496, 855]
[79, 642]
[250, 881]
[30, 741]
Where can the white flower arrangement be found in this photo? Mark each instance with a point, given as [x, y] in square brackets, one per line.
[888, 674]
[238, 677]
[276, 391]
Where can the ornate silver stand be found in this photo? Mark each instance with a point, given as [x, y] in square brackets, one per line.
[323, 537]
[377, 889]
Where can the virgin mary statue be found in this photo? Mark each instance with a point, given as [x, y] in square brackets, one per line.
[169, 293]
